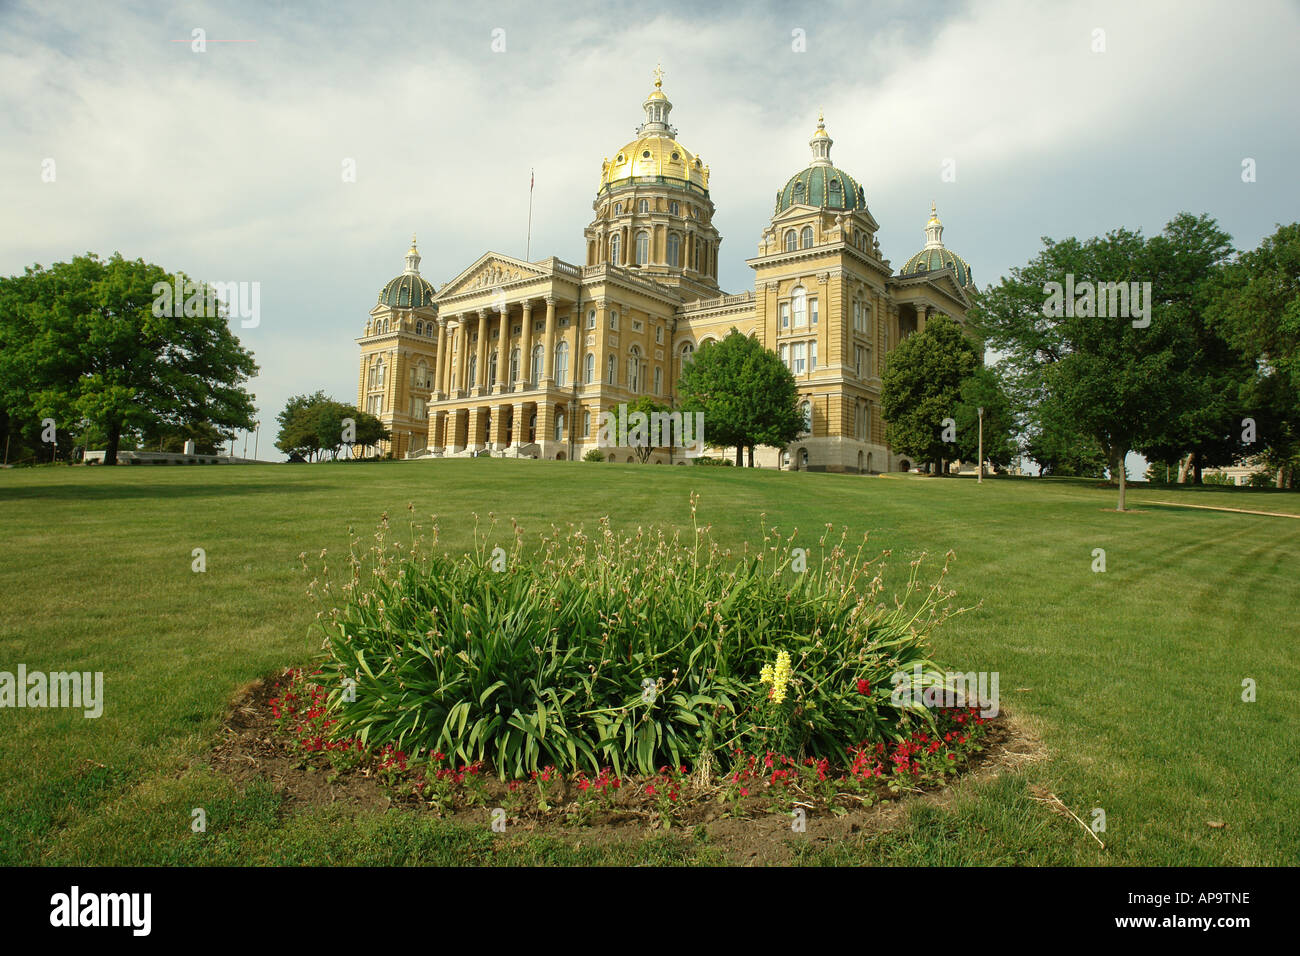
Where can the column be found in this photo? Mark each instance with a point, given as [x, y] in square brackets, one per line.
[480, 373]
[440, 359]
[476, 437]
[462, 360]
[503, 353]
[548, 347]
[526, 349]
[500, 425]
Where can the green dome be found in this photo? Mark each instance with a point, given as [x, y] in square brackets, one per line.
[821, 185]
[932, 260]
[407, 291]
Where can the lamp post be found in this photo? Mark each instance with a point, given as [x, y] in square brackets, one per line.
[257, 434]
[980, 479]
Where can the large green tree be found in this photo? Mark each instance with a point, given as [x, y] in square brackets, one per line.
[86, 343]
[1255, 304]
[747, 395]
[921, 386]
[1124, 381]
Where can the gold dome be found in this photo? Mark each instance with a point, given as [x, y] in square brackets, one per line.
[656, 153]
[655, 156]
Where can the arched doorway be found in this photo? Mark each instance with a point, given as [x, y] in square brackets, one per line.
[860, 459]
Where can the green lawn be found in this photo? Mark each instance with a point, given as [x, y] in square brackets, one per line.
[1132, 677]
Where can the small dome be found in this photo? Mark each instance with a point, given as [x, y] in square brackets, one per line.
[821, 184]
[409, 290]
[935, 256]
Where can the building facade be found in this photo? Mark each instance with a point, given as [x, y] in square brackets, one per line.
[518, 359]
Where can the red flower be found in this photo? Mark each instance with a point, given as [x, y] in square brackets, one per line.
[864, 686]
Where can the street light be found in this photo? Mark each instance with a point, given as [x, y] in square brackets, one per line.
[980, 479]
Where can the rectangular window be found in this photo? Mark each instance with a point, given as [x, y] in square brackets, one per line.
[659, 381]
[800, 351]
[785, 315]
[591, 319]
[812, 307]
[785, 355]
[812, 356]
[659, 335]
[858, 353]
[613, 321]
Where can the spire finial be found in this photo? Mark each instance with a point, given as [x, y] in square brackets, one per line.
[412, 259]
[658, 74]
[821, 119]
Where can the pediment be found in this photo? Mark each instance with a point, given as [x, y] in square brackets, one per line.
[491, 270]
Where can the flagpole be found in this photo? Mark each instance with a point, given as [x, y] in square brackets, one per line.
[528, 249]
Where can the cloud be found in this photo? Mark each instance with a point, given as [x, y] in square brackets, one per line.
[228, 163]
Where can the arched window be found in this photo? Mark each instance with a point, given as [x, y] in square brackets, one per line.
[591, 319]
[634, 369]
[589, 369]
[613, 249]
[473, 371]
[379, 374]
[618, 209]
[514, 366]
[611, 371]
[535, 370]
[559, 425]
[674, 249]
[562, 363]
[688, 353]
[791, 241]
[492, 368]
[644, 206]
[613, 319]
[419, 328]
[807, 237]
[805, 412]
[642, 247]
[799, 306]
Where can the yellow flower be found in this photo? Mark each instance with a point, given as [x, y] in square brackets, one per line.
[765, 675]
[781, 676]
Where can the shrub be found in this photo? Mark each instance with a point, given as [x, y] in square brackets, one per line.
[631, 651]
[714, 462]
[594, 455]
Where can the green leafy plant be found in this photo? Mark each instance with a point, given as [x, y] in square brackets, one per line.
[623, 650]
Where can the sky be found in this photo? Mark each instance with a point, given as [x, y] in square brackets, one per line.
[1049, 120]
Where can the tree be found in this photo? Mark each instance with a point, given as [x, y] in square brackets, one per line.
[983, 389]
[1255, 304]
[747, 395]
[299, 431]
[86, 343]
[921, 386]
[313, 424]
[1103, 359]
[1203, 428]
[645, 434]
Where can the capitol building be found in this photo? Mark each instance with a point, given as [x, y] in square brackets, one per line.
[518, 359]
